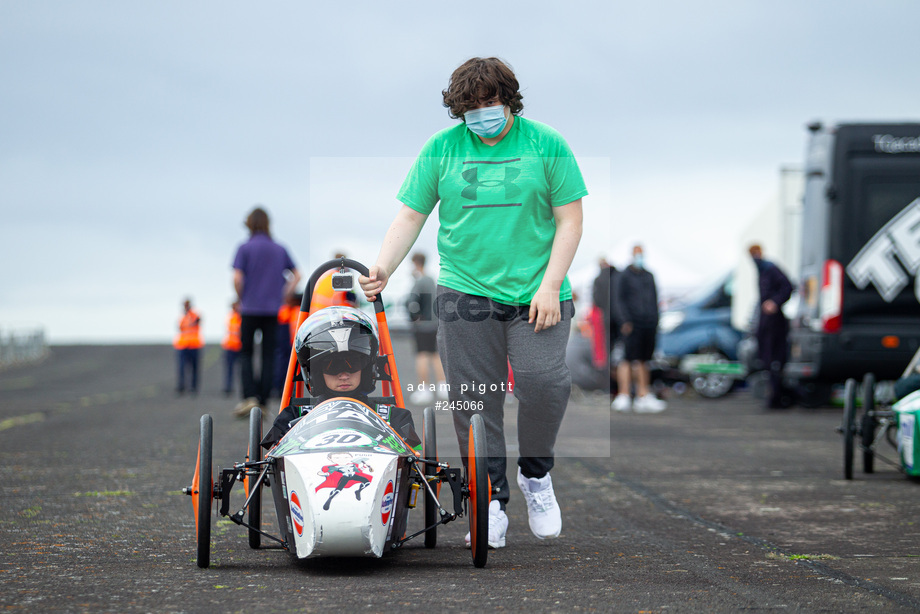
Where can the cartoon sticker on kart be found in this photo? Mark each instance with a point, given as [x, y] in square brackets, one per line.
[344, 472]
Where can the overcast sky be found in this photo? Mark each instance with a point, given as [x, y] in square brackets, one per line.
[135, 137]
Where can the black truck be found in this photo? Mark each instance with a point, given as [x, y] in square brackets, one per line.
[860, 301]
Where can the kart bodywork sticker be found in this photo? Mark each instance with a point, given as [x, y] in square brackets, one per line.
[344, 471]
[296, 513]
[338, 424]
[386, 505]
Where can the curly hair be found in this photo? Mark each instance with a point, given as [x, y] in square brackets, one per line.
[480, 79]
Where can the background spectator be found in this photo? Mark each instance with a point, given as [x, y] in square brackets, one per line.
[636, 306]
[263, 275]
[188, 343]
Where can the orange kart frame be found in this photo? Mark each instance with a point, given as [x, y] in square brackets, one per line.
[294, 386]
[471, 494]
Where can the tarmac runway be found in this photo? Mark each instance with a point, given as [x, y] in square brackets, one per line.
[711, 506]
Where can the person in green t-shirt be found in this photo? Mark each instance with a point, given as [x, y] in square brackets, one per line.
[508, 192]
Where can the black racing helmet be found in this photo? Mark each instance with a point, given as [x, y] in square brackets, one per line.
[339, 338]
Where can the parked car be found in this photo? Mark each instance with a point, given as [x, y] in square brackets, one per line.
[699, 331]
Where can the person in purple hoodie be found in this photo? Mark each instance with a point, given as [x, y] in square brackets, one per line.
[772, 325]
[263, 276]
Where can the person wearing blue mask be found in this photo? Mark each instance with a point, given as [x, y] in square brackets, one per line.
[636, 304]
[508, 192]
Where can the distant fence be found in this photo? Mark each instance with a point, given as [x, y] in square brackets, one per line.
[22, 346]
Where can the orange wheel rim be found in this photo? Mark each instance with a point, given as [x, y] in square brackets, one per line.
[471, 465]
[196, 480]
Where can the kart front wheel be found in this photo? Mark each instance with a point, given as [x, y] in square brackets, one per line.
[203, 492]
[254, 456]
[480, 491]
[848, 427]
[430, 452]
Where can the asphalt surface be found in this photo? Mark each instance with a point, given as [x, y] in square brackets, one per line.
[711, 506]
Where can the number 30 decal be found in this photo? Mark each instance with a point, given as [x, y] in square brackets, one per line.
[338, 439]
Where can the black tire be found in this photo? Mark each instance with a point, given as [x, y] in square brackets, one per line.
[254, 455]
[813, 395]
[868, 424]
[480, 491]
[713, 385]
[204, 480]
[848, 428]
[430, 451]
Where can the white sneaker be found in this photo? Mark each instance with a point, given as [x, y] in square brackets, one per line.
[498, 526]
[242, 408]
[621, 402]
[542, 509]
[442, 391]
[422, 396]
[649, 404]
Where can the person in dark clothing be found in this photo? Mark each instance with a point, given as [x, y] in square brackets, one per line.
[604, 299]
[772, 326]
[263, 274]
[636, 307]
[420, 306]
[337, 349]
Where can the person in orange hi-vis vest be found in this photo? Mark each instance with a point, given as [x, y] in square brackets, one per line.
[287, 328]
[232, 346]
[188, 343]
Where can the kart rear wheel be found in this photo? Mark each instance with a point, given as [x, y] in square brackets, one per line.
[430, 451]
[254, 455]
[203, 492]
[480, 491]
[868, 423]
[848, 427]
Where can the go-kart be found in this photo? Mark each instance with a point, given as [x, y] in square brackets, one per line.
[342, 479]
[867, 424]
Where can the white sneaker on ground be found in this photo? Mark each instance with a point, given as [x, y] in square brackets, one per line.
[621, 402]
[442, 391]
[422, 396]
[543, 511]
[498, 526]
[649, 404]
[242, 408]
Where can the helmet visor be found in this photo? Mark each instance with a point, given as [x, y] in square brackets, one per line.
[346, 362]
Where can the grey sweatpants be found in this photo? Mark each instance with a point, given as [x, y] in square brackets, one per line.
[477, 337]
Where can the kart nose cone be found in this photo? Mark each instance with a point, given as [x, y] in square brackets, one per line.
[340, 503]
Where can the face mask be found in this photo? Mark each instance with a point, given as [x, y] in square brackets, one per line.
[638, 261]
[487, 122]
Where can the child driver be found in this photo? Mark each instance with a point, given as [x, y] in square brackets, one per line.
[337, 348]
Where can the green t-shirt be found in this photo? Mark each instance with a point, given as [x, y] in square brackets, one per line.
[496, 219]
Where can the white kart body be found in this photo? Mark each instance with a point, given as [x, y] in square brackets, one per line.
[341, 482]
